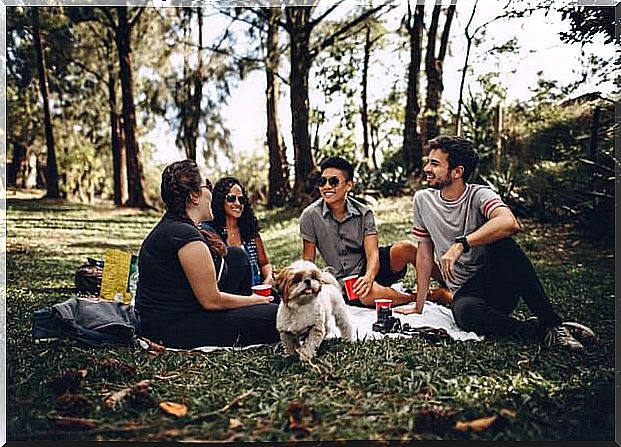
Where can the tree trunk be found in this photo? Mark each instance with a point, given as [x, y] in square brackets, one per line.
[135, 175]
[297, 20]
[433, 68]
[119, 157]
[364, 113]
[460, 101]
[412, 150]
[278, 186]
[16, 168]
[52, 170]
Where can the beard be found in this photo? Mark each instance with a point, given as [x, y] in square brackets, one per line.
[441, 182]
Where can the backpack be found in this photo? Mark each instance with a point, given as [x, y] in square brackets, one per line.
[93, 322]
[88, 276]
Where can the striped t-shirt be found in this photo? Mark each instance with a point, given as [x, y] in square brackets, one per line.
[441, 221]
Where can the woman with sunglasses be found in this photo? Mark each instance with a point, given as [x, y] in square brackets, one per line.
[236, 223]
[179, 301]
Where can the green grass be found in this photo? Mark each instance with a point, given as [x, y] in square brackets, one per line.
[387, 389]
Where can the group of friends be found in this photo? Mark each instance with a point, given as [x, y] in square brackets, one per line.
[198, 264]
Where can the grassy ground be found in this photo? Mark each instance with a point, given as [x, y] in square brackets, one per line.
[388, 389]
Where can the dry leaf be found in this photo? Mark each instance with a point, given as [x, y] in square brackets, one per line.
[174, 408]
[83, 372]
[508, 413]
[476, 424]
[114, 399]
[235, 423]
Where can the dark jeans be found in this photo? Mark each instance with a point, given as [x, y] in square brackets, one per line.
[484, 303]
[232, 327]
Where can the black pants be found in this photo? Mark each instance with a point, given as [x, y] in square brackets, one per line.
[484, 303]
[232, 327]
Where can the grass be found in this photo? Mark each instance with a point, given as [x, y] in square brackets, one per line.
[387, 389]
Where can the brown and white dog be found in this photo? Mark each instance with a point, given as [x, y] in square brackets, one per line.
[310, 299]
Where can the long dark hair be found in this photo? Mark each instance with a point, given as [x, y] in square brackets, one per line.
[248, 224]
[179, 179]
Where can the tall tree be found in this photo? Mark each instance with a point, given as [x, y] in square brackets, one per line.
[433, 69]
[412, 149]
[53, 191]
[299, 25]
[278, 184]
[135, 174]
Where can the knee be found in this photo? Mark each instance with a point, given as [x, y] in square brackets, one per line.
[467, 315]
[404, 250]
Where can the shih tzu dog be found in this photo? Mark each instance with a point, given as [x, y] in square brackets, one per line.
[310, 298]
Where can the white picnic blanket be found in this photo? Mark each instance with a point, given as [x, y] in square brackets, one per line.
[362, 319]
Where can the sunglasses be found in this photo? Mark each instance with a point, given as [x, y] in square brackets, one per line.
[231, 198]
[332, 181]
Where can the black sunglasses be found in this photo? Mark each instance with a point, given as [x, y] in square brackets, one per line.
[333, 181]
[232, 197]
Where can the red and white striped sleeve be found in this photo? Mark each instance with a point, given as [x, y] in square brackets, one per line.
[489, 202]
[418, 229]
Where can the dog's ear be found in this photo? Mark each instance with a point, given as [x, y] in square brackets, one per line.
[280, 284]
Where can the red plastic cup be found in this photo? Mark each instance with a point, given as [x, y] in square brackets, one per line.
[349, 282]
[262, 289]
[382, 304]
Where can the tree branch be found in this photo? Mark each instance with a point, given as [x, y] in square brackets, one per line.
[133, 21]
[332, 38]
[313, 23]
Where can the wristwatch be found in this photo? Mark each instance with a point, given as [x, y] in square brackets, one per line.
[464, 242]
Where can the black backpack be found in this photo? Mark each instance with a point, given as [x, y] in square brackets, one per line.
[88, 276]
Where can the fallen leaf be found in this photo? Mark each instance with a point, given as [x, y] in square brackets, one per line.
[476, 424]
[173, 408]
[508, 413]
[235, 423]
[114, 399]
[299, 416]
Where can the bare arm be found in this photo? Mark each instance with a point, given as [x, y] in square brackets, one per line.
[364, 284]
[199, 268]
[308, 251]
[424, 265]
[267, 270]
[501, 224]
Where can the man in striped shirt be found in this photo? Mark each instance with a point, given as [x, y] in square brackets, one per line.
[466, 229]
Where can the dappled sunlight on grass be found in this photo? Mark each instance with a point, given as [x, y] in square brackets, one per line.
[362, 390]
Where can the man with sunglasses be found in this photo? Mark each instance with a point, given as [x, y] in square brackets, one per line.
[466, 229]
[344, 232]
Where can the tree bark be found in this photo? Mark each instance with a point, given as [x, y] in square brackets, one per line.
[460, 101]
[119, 156]
[364, 113]
[298, 23]
[53, 191]
[135, 175]
[278, 182]
[412, 150]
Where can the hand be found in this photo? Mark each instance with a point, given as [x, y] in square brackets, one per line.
[363, 285]
[268, 280]
[260, 299]
[408, 310]
[447, 261]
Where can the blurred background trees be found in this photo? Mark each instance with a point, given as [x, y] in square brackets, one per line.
[92, 90]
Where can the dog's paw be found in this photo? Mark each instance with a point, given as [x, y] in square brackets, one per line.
[305, 354]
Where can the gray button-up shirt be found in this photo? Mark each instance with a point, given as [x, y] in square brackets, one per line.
[340, 244]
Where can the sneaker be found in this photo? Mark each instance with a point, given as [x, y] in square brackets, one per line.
[560, 336]
[580, 332]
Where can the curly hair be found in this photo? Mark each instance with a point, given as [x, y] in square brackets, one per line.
[179, 179]
[460, 152]
[248, 224]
